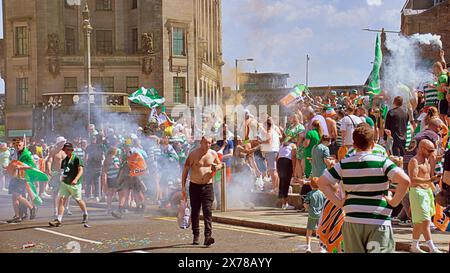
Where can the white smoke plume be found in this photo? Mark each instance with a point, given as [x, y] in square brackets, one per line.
[406, 68]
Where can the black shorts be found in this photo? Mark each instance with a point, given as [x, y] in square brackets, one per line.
[17, 186]
[443, 107]
[132, 183]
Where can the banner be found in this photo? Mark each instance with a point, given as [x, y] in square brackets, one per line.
[374, 85]
[292, 97]
[147, 97]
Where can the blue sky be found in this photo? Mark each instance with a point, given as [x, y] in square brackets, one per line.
[279, 33]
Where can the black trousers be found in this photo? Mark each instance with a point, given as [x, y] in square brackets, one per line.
[285, 171]
[202, 197]
[399, 147]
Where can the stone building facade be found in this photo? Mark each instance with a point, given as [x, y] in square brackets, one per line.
[428, 16]
[174, 46]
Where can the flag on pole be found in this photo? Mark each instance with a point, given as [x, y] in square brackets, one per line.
[374, 85]
[292, 97]
[147, 97]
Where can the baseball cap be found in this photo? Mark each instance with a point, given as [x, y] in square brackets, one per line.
[354, 91]
[68, 146]
[60, 139]
[333, 93]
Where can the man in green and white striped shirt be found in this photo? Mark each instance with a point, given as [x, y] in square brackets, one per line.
[368, 203]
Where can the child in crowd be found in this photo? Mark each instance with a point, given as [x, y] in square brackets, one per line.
[314, 203]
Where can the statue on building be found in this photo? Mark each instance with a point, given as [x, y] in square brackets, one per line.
[53, 65]
[147, 65]
[148, 43]
[53, 44]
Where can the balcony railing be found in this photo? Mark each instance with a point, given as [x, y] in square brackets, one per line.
[107, 101]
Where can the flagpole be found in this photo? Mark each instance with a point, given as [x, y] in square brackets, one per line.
[307, 70]
[88, 29]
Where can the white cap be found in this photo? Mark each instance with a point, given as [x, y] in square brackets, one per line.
[60, 140]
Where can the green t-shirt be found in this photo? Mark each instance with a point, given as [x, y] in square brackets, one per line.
[443, 80]
[70, 169]
[319, 154]
[316, 201]
[314, 138]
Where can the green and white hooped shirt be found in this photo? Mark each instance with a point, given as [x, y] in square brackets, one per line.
[365, 179]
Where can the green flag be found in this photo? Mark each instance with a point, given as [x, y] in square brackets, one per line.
[374, 79]
[147, 97]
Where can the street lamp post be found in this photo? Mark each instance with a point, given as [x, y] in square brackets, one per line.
[88, 30]
[237, 70]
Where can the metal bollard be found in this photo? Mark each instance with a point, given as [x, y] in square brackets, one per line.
[223, 189]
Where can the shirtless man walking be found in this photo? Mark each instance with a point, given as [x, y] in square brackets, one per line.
[53, 169]
[202, 164]
[421, 196]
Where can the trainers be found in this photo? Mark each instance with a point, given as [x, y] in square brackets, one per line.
[33, 213]
[396, 220]
[85, 219]
[14, 220]
[436, 250]
[289, 207]
[209, 241]
[97, 199]
[323, 250]
[415, 249]
[55, 223]
[68, 212]
[196, 241]
[308, 250]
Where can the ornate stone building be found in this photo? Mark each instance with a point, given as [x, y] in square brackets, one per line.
[174, 46]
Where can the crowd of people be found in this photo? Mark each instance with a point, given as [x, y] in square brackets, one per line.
[366, 160]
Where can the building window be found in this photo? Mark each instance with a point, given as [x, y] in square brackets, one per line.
[21, 41]
[104, 42]
[132, 84]
[70, 41]
[70, 85]
[22, 91]
[179, 90]
[134, 4]
[178, 42]
[134, 41]
[103, 5]
[103, 84]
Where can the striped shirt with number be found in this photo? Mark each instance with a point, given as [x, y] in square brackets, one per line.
[365, 178]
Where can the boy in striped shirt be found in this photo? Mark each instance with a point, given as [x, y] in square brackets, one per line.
[368, 203]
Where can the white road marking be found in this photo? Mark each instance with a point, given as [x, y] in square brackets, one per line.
[138, 251]
[69, 236]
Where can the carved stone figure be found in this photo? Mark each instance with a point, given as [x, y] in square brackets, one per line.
[148, 44]
[53, 66]
[53, 44]
[147, 65]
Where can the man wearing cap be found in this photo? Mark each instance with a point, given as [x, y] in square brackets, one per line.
[55, 158]
[72, 170]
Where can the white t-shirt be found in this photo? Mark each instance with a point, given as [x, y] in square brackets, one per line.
[275, 145]
[349, 124]
[323, 124]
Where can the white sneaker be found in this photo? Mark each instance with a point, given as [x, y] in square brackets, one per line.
[5, 189]
[97, 199]
[323, 250]
[283, 207]
[289, 207]
[436, 250]
[308, 250]
[45, 195]
[414, 249]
